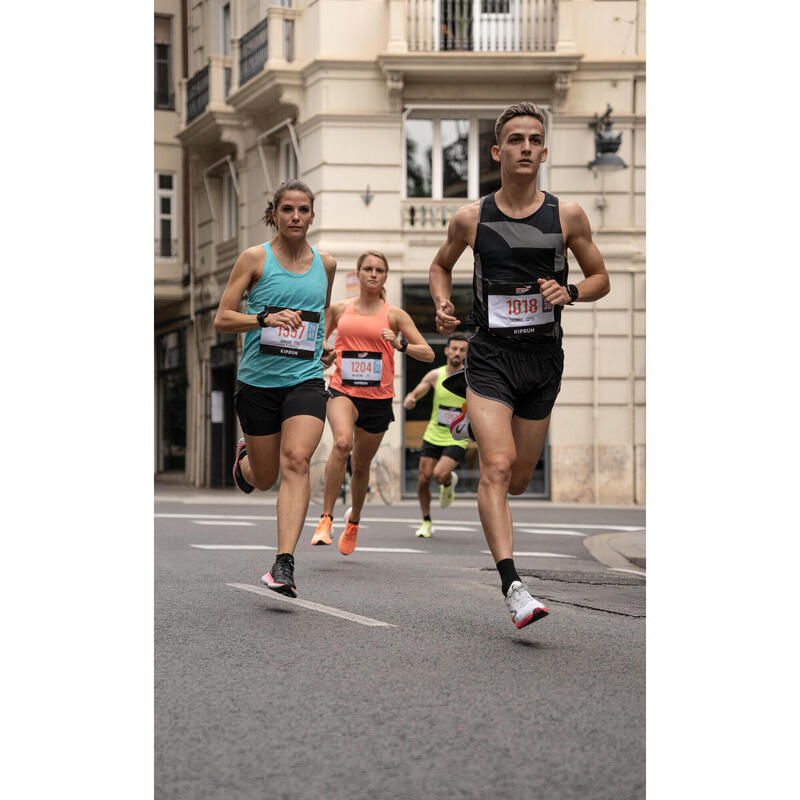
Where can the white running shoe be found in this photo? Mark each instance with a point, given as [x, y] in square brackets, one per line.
[523, 608]
[447, 493]
[459, 427]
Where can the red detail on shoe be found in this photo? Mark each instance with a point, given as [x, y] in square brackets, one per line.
[457, 420]
[536, 614]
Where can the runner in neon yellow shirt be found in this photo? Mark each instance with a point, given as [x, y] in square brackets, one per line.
[441, 453]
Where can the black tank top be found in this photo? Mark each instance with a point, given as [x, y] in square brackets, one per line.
[510, 254]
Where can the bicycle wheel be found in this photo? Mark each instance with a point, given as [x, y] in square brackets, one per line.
[317, 479]
[382, 481]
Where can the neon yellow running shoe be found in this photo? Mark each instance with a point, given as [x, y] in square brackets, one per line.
[425, 530]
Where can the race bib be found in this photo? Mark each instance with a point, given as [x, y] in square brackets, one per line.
[361, 368]
[446, 415]
[299, 342]
[515, 310]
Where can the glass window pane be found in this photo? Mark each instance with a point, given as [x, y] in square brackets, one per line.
[454, 157]
[166, 237]
[164, 181]
[166, 204]
[419, 147]
[488, 168]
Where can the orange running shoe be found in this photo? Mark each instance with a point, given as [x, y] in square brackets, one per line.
[322, 535]
[347, 541]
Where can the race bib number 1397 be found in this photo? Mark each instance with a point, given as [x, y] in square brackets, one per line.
[297, 342]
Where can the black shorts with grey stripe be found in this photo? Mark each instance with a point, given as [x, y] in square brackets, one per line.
[527, 381]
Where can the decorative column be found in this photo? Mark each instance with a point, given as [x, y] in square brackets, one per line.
[398, 40]
[565, 38]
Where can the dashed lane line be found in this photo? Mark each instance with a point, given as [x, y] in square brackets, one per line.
[233, 547]
[296, 601]
[228, 523]
[548, 532]
[538, 555]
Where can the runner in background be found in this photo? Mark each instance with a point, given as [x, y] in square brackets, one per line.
[441, 454]
[369, 331]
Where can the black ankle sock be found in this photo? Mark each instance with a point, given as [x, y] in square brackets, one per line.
[428, 518]
[448, 482]
[508, 573]
[326, 514]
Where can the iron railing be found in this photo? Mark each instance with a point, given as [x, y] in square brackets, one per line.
[197, 94]
[166, 248]
[253, 52]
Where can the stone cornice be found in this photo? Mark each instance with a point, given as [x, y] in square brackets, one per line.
[481, 64]
[621, 64]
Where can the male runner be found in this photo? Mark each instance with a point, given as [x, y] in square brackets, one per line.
[519, 236]
[441, 454]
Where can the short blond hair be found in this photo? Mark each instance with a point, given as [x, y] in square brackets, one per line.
[518, 110]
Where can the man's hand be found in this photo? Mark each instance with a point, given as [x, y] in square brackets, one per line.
[410, 401]
[553, 292]
[328, 354]
[286, 318]
[446, 323]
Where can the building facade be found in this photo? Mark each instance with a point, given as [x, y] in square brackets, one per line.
[385, 108]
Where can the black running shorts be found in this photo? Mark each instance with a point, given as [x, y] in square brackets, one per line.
[262, 411]
[527, 381]
[374, 416]
[437, 451]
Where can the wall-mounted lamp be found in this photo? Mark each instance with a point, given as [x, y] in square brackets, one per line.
[605, 145]
[367, 197]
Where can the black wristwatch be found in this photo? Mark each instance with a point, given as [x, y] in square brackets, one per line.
[573, 293]
[262, 317]
[403, 344]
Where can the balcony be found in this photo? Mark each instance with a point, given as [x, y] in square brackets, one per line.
[203, 102]
[266, 61]
[481, 25]
[425, 215]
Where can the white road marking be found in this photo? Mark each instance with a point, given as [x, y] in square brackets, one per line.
[548, 532]
[296, 601]
[438, 527]
[233, 547]
[228, 523]
[315, 520]
[388, 550]
[538, 555]
[631, 571]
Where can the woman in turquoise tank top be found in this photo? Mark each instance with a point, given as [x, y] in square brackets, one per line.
[280, 393]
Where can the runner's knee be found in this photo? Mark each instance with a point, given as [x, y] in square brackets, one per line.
[342, 445]
[496, 469]
[295, 462]
[441, 475]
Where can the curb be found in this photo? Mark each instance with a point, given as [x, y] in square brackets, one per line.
[617, 550]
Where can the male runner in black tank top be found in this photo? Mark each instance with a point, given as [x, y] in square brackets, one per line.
[513, 369]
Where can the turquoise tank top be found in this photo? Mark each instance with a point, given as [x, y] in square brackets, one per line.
[263, 363]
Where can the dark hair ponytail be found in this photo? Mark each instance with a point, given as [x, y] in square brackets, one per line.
[292, 185]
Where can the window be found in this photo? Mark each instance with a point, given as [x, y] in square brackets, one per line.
[230, 208]
[226, 29]
[452, 157]
[288, 160]
[166, 243]
[419, 149]
[164, 94]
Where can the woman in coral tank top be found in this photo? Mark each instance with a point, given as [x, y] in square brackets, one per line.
[368, 331]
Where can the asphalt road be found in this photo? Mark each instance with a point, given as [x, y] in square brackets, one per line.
[400, 675]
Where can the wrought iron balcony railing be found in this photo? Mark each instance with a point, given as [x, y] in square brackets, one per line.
[196, 94]
[253, 52]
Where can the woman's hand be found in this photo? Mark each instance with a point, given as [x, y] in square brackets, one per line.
[391, 337]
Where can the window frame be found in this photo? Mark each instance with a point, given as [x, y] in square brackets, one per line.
[172, 195]
[472, 114]
[170, 102]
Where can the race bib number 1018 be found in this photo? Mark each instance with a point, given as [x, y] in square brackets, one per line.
[517, 309]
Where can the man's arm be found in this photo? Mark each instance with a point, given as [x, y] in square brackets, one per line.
[421, 389]
[578, 238]
[460, 233]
